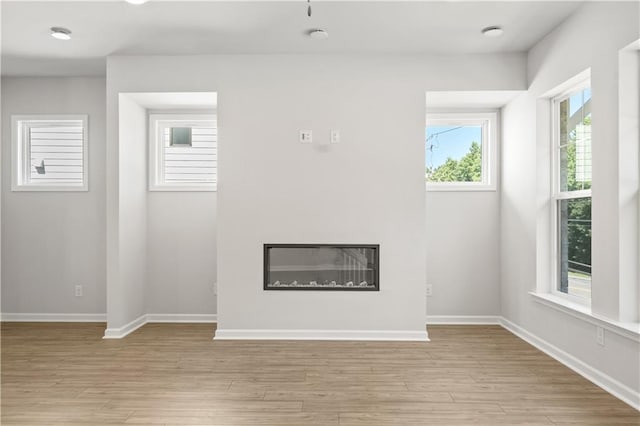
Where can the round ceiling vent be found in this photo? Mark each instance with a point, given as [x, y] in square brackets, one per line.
[318, 34]
[493, 31]
[60, 33]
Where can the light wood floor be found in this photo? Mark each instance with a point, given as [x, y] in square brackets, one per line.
[176, 374]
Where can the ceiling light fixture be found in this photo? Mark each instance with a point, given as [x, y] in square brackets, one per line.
[136, 1]
[492, 31]
[318, 34]
[60, 33]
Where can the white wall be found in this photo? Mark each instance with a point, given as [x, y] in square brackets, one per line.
[592, 38]
[1, 156]
[52, 241]
[127, 276]
[463, 228]
[378, 104]
[629, 188]
[276, 190]
[181, 252]
[463, 253]
[163, 243]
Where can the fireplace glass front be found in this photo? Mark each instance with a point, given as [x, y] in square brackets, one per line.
[352, 267]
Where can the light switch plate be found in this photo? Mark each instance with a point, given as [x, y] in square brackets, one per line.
[306, 136]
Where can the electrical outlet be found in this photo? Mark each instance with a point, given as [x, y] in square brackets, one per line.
[429, 290]
[335, 136]
[78, 291]
[600, 335]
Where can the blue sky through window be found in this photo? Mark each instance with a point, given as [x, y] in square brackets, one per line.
[576, 101]
[444, 142]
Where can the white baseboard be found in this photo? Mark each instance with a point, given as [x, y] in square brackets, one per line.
[182, 318]
[13, 317]
[606, 382]
[119, 333]
[382, 335]
[463, 319]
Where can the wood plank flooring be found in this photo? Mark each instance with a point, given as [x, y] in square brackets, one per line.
[170, 374]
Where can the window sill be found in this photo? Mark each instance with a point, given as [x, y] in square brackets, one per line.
[459, 188]
[625, 329]
[49, 188]
[183, 189]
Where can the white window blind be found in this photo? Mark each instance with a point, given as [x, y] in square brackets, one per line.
[49, 153]
[583, 153]
[183, 152]
[191, 163]
[56, 154]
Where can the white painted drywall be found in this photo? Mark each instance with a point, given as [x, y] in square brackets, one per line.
[592, 38]
[181, 226]
[52, 241]
[1, 156]
[181, 252]
[367, 189]
[126, 282]
[629, 182]
[276, 190]
[463, 227]
[463, 253]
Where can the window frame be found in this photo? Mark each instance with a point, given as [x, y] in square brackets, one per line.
[156, 151]
[557, 195]
[20, 145]
[488, 120]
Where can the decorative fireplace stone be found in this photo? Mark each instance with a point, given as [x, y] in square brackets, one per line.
[349, 267]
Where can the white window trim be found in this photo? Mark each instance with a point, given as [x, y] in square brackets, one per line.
[489, 123]
[19, 161]
[557, 195]
[156, 152]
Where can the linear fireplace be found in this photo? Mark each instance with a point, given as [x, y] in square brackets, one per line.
[350, 267]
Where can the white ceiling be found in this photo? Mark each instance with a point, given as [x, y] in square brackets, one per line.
[267, 27]
[450, 101]
[175, 100]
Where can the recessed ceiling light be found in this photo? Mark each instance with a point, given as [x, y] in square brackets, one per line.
[136, 1]
[60, 33]
[318, 34]
[493, 31]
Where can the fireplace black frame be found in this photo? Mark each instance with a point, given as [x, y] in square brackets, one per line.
[375, 247]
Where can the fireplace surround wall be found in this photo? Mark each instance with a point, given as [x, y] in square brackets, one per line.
[365, 189]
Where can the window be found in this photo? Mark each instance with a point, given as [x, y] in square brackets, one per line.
[460, 151]
[572, 193]
[49, 153]
[183, 152]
